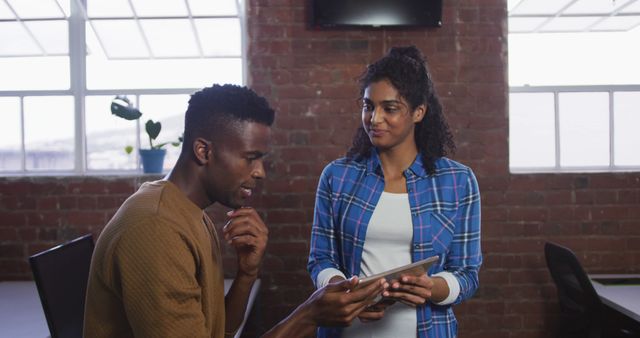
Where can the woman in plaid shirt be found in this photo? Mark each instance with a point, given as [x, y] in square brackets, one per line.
[395, 199]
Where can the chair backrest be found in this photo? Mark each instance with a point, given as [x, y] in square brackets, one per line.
[61, 275]
[581, 307]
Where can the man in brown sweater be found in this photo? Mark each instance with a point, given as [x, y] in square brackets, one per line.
[157, 269]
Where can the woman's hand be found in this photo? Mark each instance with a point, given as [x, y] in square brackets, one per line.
[411, 290]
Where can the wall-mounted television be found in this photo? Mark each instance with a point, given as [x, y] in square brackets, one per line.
[376, 13]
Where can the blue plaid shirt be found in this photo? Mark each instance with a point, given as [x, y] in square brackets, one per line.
[445, 210]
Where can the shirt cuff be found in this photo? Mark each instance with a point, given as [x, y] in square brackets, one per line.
[454, 287]
[325, 275]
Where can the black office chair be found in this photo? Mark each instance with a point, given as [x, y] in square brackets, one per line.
[583, 314]
[580, 305]
[61, 274]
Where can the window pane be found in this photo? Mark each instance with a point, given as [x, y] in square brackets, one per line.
[219, 36]
[52, 34]
[48, 129]
[626, 122]
[603, 58]
[168, 8]
[584, 129]
[531, 130]
[180, 73]
[540, 6]
[108, 8]
[524, 24]
[168, 110]
[594, 7]
[31, 9]
[33, 73]
[633, 8]
[10, 134]
[5, 12]
[66, 6]
[170, 38]
[108, 135]
[208, 7]
[618, 23]
[567, 24]
[16, 41]
[512, 3]
[120, 38]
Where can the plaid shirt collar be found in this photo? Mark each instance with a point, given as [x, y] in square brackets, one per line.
[374, 166]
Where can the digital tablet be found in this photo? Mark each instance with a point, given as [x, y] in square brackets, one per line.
[416, 269]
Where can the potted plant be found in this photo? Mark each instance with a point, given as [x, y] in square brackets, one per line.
[152, 158]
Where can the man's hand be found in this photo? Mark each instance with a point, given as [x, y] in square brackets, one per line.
[337, 304]
[375, 311]
[370, 313]
[246, 232]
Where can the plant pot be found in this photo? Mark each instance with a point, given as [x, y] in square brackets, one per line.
[152, 160]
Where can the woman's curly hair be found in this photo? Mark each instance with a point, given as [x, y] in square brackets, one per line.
[406, 69]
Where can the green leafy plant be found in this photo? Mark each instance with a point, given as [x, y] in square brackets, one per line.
[121, 106]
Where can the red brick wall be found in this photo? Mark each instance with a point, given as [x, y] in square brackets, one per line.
[308, 75]
[39, 212]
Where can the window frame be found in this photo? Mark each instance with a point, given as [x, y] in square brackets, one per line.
[78, 90]
[556, 91]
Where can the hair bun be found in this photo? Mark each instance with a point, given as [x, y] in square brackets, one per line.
[409, 51]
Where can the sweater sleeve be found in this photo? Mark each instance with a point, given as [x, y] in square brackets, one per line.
[156, 267]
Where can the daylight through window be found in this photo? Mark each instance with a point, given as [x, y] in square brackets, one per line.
[574, 102]
[63, 61]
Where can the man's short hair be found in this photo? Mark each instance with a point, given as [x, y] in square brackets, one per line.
[213, 110]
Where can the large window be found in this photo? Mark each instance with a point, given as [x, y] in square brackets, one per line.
[574, 103]
[63, 61]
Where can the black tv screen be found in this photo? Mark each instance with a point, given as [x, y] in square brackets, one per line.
[376, 13]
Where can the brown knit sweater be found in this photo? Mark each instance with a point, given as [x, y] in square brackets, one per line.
[156, 270]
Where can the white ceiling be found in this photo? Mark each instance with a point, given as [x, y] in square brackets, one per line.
[552, 16]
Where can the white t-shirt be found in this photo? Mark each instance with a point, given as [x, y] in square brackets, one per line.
[386, 246]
